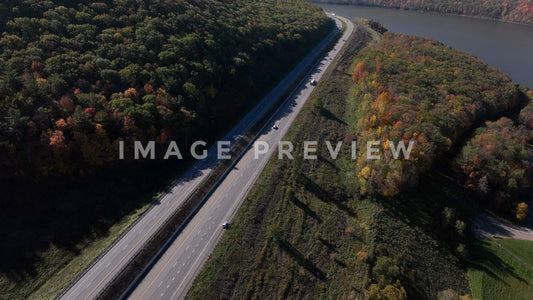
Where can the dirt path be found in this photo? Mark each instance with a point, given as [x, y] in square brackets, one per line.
[486, 226]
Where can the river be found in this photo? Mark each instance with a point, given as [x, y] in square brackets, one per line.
[506, 46]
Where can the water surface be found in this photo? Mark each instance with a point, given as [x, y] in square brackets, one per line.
[506, 46]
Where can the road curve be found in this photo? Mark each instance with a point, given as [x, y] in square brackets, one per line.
[106, 267]
[173, 274]
[486, 225]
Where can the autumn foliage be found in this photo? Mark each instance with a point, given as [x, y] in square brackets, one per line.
[509, 10]
[496, 163]
[521, 211]
[359, 72]
[416, 89]
[77, 77]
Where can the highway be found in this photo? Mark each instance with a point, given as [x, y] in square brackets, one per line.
[96, 277]
[173, 274]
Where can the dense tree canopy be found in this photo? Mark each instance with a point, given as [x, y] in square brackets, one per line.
[496, 162]
[509, 10]
[77, 77]
[416, 89]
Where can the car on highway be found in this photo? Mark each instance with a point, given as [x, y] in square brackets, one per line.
[225, 225]
[275, 127]
[314, 82]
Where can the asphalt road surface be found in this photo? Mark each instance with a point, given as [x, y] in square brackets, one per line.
[96, 277]
[173, 274]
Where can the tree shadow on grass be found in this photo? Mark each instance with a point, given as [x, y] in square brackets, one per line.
[69, 214]
[305, 208]
[302, 260]
[323, 195]
[322, 159]
[424, 206]
[329, 115]
[328, 245]
[482, 258]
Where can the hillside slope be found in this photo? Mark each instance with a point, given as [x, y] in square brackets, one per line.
[511, 10]
[79, 77]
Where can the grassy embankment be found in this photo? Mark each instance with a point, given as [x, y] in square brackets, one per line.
[496, 274]
[304, 232]
[43, 273]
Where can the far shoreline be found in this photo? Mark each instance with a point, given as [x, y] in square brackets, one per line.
[429, 12]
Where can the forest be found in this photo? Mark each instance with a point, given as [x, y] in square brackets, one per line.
[520, 11]
[415, 89]
[78, 77]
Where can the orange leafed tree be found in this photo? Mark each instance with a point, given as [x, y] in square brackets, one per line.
[521, 211]
[359, 72]
[131, 93]
[61, 124]
[57, 138]
[67, 104]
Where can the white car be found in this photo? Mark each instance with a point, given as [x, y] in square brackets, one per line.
[275, 127]
[225, 225]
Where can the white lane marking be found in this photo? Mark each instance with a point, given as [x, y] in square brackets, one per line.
[160, 283]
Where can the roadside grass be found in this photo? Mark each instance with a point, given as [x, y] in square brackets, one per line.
[64, 240]
[496, 274]
[60, 279]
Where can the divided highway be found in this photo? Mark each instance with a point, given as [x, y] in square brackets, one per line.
[199, 237]
[173, 274]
